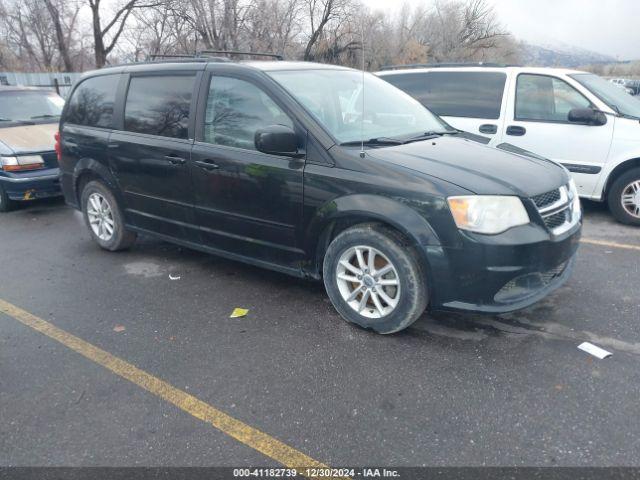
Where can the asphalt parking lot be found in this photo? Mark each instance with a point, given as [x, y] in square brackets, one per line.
[457, 390]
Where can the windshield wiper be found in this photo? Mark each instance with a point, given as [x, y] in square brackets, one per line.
[428, 135]
[374, 141]
[46, 115]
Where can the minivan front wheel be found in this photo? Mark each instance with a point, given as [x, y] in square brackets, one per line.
[374, 279]
[104, 219]
[624, 197]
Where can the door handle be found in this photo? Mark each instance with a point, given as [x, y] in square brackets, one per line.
[488, 128]
[207, 164]
[175, 160]
[516, 131]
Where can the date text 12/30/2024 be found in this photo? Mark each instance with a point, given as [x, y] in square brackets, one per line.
[315, 473]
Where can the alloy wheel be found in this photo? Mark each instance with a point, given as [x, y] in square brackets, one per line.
[100, 217]
[368, 281]
[630, 199]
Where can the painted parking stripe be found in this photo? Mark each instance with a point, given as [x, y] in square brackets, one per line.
[603, 243]
[252, 437]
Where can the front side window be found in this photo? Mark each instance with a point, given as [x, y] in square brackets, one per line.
[92, 102]
[335, 98]
[547, 99]
[159, 105]
[236, 109]
[455, 94]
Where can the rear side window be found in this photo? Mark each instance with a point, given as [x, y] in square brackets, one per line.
[546, 99]
[455, 94]
[92, 102]
[159, 105]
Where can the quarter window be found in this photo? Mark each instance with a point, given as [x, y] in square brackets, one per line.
[235, 110]
[159, 105]
[92, 102]
[548, 99]
[455, 94]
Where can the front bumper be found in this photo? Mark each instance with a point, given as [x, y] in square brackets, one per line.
[501, 273]
[31, 185]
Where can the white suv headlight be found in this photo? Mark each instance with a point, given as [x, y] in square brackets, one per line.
[489, 214]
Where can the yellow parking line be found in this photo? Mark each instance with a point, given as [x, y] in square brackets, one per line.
[624, 246]
[252, 437]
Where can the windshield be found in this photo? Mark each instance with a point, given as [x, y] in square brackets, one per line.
[334, 97]
[29, 106]
[615, 97]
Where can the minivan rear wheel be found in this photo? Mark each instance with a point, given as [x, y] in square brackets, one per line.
[374, 279]
[624, 197]
[103, 217]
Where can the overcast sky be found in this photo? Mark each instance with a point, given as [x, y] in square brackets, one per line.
[605, 26]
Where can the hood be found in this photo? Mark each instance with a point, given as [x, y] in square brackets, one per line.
[28, 138]
[476, 168]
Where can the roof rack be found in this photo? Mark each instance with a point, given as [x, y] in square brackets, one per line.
[232, 52]
[206, 56]
[159, 58]
[446, 65]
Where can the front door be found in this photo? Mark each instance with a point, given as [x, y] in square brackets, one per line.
[151, 157]
[537, 121]
[247, 202]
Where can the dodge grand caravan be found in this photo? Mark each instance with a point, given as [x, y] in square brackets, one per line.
[258, 162]
[576, 118]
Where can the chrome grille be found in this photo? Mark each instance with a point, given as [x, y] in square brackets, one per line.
[555, 220]
[556, 209]
[546, 199]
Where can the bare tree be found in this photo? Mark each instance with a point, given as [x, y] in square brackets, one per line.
[461, 31]
[63, 17]
[47, 35]
[321, 14]
[274, 25]
[28, 31]
[105, 38]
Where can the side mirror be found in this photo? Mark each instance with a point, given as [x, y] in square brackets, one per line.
[587, 116]
[277, 140]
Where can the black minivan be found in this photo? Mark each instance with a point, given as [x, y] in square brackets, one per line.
[264, 162]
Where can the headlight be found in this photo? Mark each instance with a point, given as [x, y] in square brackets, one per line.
[487, 214]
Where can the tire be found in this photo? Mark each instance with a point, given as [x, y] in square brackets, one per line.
[98, 203]
[624, 185]
[6, 205]
[389, 248]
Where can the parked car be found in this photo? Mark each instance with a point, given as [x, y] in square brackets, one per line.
[624, 88]
[28, 165]
[257, 162]
[633, 85]
[575, 118]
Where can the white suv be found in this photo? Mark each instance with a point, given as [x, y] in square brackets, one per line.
[582, 121]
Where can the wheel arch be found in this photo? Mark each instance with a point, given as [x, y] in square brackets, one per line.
[344, 212]
[88, 169]
[618, 170]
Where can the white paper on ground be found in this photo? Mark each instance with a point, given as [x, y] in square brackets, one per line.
[595, 351]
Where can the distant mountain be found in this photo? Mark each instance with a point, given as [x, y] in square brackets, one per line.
[560, 55]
